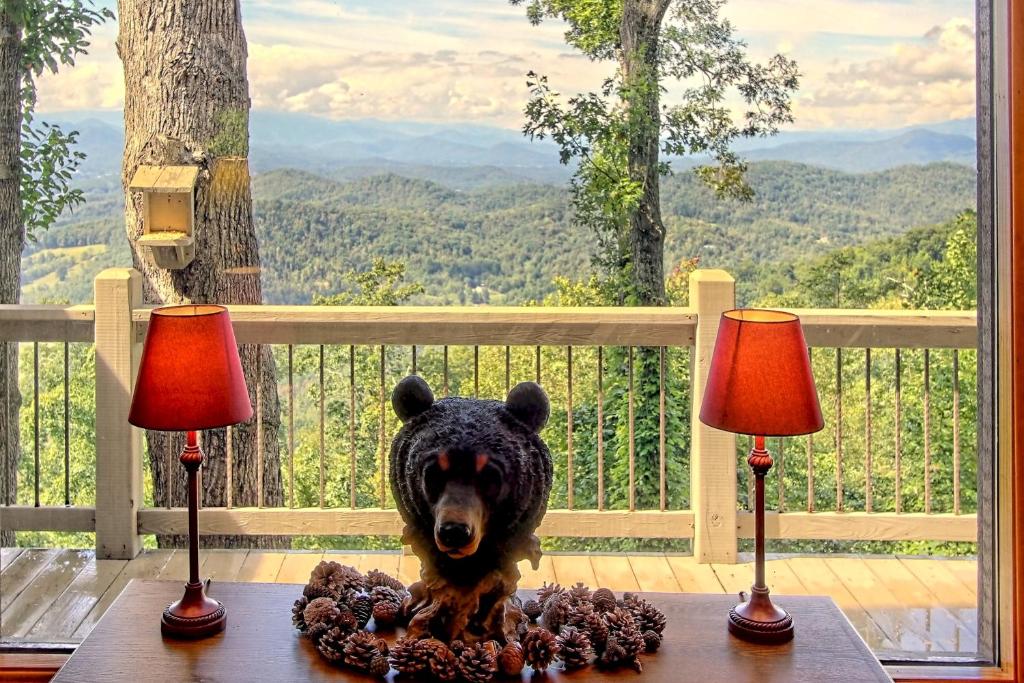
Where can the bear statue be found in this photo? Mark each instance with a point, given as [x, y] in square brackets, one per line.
[471, 480]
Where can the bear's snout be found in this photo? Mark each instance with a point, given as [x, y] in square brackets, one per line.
[454, 534]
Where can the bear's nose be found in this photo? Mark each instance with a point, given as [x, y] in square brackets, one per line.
[454, 534]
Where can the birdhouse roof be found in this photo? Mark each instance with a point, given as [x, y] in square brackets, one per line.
[164, 178]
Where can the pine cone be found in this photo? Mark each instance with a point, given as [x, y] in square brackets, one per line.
[457, 646]
[376, 578]
[326, 580]
[557, 611]
[385, 614]
[548, 590]
[613, 654]
[346, 620]
[332, 644]
[361, 649]
[540, 647]
[319, 616]
[532, 609]
[408, 657]
[603, 599]
[312, 591]
[574, 648]
[511, 659]
[597, 630]
[442, 663]
[579, 593]
[632, 643]
[652, 641]
[579, 614]
[647, 616]
[361, 606]
[618, 619]
[298, 620]
[352, 580]
[380, 666]
[385, 594]
[476, 664]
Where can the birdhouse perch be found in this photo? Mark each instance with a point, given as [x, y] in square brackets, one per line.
[168, 213]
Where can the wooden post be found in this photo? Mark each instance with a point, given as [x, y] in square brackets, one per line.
[712, 452]
[118, 444]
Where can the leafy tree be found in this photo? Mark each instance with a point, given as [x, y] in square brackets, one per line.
[616, 135]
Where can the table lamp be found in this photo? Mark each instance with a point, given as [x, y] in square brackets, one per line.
[760, 383]
[190, 378]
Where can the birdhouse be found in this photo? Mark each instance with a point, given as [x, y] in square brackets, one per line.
[168, 213]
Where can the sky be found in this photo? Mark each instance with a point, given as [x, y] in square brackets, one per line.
[864, 63]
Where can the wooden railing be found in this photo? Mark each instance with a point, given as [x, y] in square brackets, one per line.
[568, 339]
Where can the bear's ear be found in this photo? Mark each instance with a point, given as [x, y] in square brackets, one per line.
[529, 404]
[411, 397]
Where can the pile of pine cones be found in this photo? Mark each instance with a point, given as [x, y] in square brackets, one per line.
[576, 628]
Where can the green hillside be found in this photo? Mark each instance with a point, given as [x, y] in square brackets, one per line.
[505, 243]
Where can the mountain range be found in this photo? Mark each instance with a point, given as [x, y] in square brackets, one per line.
[475, 155]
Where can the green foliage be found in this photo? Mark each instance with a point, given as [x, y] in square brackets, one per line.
[53, 33]
[233, 134]
[695, 48]
[381, 285]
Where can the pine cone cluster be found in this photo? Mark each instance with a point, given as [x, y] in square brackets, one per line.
[376, 578]
[361, 648]
[409, 657]
[319, 616]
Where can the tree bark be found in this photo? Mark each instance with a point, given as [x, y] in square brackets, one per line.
[12, 241]
[187, 102]
[639, 33]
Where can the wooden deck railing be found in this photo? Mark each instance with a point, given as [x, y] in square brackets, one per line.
[568, 351]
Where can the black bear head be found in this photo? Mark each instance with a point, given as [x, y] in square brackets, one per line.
[470, 475]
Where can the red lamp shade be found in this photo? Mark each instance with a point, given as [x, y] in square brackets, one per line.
[760, 382]
[190, 377]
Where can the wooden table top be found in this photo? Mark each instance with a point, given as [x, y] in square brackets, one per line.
[260, 644]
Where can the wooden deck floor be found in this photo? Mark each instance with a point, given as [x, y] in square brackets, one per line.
[897, 604]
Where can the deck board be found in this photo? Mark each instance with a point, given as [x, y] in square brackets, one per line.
[896, 604]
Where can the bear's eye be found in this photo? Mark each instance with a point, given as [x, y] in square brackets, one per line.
[433, 481]
[489, 481]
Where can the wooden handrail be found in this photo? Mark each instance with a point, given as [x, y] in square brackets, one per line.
[31, 322]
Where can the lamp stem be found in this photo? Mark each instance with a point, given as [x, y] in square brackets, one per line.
[759, 474]
[193, 507]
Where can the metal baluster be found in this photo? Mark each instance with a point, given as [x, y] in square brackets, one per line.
[632, 440]
[839, 430]
[508, 369]
[229, 436]
[810, 454]
[476, 372]
[868, 488]
[414, 359]
[569, 426]
[781, 465]
[956, 431]
[323, 446]
[291, 428]
[927, 433]
[35, 414]
[600, 428]
[538, 365]
[899, 433]
[352, 425]
[383, 428]
[259, 426]
[446, 390]
[662, 497]
[67, 426]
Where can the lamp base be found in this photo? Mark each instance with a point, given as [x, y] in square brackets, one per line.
[194, 616]
[758, 620]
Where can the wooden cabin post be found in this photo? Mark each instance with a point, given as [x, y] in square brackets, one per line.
[712, 452]
[118, 444]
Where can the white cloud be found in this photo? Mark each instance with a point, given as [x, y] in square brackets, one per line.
[929, 80]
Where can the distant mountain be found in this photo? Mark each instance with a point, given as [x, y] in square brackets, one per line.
[917, 146]
[468, 156]
[505, 242]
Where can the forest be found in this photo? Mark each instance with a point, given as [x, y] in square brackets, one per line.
[858, 248]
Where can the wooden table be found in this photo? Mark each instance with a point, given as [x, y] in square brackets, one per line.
[260, 644]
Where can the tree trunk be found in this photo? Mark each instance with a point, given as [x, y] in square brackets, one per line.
[187, 102]
[639, 32]
[12, 241]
